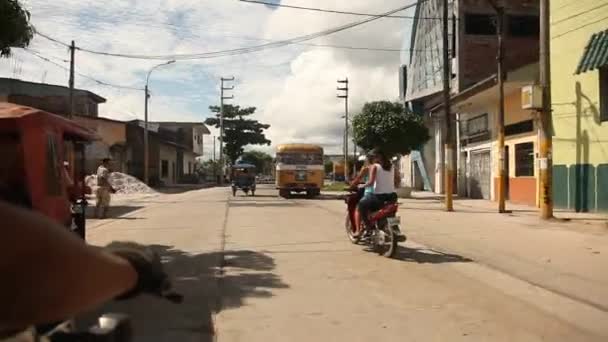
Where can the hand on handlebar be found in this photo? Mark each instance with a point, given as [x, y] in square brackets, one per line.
[152, 278]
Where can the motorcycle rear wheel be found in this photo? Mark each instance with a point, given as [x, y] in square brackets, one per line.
[389, 246]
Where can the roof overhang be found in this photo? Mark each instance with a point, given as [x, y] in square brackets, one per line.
[596, 53]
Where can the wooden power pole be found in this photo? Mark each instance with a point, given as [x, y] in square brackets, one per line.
[545, 137]
[71, 82]
[448, 145]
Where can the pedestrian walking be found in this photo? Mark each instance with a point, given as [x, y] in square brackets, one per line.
[104, 189]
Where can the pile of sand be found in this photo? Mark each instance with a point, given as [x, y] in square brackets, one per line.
[123, 184]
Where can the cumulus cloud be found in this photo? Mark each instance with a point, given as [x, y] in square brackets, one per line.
[294, 87]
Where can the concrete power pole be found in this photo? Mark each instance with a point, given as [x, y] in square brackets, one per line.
[344, 95]
[222, 98]
[449, 146]
[71, 82]
[502, 157]
[546, 139]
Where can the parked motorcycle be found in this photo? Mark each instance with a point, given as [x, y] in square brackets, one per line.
[383, 234]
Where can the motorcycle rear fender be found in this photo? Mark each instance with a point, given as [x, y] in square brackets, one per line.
[388, 210]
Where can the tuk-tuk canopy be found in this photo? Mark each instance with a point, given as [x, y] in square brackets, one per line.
[14, 117]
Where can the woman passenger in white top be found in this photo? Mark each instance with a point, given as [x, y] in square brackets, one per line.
[383, 179]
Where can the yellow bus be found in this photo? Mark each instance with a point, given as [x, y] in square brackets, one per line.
[299, 168]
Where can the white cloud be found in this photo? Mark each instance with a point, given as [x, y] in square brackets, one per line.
[293, 87]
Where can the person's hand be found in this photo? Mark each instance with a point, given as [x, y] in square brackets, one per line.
[151, 277]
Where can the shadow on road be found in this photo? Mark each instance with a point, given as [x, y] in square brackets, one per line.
[428, 256]
[246, 274]
[254, 204]
[115, 212]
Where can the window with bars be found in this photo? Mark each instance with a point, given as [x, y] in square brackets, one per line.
[524, 160]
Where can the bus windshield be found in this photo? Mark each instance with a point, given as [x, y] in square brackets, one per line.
[300, 158]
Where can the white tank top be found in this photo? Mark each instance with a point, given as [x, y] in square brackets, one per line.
[385, 180]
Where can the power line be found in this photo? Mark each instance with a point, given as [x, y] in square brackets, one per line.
[244, 50]
[271, 4]
[578, 28]
[78, 73]
[579, 14]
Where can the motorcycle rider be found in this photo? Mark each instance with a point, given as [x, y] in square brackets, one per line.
[383, 180]
[49, 274]
[363, 191]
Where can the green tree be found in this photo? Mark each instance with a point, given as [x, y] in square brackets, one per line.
[262, 160]
[329, 167]
[389, 127]
[208, 169]
[238, 130]
[15, 27]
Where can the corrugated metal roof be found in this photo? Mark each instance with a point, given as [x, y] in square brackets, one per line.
[596, 53]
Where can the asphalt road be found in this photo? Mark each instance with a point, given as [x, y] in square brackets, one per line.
[270, 269]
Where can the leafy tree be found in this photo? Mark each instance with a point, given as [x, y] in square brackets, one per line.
[15, 27]
[261, 160]
[329, 167]
[389, 127]
[208, 169]
[238, 130]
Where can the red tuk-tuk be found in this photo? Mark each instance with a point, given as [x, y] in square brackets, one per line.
[42, 165]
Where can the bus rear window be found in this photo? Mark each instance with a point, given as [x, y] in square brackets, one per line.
[300, 159]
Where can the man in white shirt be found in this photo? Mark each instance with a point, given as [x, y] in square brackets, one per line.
[104, 189]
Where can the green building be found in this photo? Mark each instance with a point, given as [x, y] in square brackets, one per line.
[579, 71]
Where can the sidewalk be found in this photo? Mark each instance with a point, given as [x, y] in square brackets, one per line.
[568, 257]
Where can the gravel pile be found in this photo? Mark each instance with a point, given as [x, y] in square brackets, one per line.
[123, 184]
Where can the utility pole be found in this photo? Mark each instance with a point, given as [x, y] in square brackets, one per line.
[343, 86]
[546, 139]
[214, 165]
[448, 146]
[222, 98]
[146, 98]
[502, 157]
[71, 82]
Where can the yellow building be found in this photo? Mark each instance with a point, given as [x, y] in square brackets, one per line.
[579, 71]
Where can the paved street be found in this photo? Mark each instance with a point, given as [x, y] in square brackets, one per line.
[269, 269]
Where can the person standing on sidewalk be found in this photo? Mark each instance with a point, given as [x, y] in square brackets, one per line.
[104, 189]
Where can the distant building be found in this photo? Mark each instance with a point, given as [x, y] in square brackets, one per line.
[173, 149]
[190, 135]
[51, 98]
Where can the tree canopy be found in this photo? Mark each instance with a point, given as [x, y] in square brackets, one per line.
[15, 27]
[389, 127]
[262, 160]
[239, 131]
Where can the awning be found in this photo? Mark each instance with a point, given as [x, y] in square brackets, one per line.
[596, 53]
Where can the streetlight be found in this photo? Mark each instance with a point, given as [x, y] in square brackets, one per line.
[147, 95]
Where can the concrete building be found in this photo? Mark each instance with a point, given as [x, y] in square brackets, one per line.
[579, 71]
[173, 149]
[113, 142]
[51, 98]
[188, 134]
[477, 159]
[473, 47]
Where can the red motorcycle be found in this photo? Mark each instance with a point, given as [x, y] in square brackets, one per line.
[383, 234]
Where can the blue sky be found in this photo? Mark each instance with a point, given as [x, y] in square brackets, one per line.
[293, 87]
